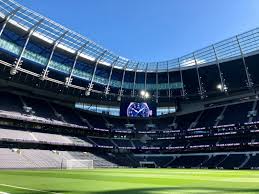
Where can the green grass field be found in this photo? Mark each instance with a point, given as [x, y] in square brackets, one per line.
[129, 181]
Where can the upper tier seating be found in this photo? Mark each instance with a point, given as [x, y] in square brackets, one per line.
[117, 123]
[95, 120]
[26, 108]
[140, 125]
[164, 122]
[236, 113]
[208, 117]
[41, 111]
[10, 103]
[184, 121]
[68, 115]
[40, 108]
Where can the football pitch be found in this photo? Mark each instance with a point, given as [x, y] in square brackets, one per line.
[128, 181]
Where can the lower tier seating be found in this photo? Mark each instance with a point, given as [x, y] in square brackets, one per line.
[213, 161]
[232, 161]
[188, 161]
[33, 158]
[252, 163]
[45, 159]
[219, 160]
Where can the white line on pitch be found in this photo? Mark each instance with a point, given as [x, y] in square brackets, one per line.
[3, 192]
[24, 188]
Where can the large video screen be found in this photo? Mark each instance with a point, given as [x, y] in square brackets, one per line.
[138, 109]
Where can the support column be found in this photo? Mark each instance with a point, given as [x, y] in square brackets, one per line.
[107, 88]
[249, 81]
[7, 18]
[122, 82]
[90, 85]
[145, 86]
[223, 86]
[157, 96]
[198, 76]
[18, 61]
[46, 71]
[134, 83]
[168, 81]
[181, 76]
[69, 79]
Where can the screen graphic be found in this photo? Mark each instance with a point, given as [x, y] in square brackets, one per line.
[138, 109]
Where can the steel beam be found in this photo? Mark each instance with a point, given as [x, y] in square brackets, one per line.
[78, 52]
[7, 18]
[107, 88]
[18, 62]
[122, 81]
[157, 96]
[249, 82]
[181, 76]
[45, 71]
[168, 81]
[145, 86]
[135, 76]
[220, 73]
[90, 85]
[198, 76]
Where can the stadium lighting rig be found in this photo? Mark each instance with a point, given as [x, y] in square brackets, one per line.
[144, 94]
[219, 86]
[222, 88]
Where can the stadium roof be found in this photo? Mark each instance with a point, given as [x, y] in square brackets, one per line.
[73, 42]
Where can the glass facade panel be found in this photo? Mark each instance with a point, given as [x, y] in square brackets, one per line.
[111, 110]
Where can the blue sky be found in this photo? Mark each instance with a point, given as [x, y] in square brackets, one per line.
[152, 30]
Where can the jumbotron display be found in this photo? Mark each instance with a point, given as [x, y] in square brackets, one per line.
[138, 109]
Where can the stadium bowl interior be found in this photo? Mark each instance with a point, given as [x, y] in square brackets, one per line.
[68, 103]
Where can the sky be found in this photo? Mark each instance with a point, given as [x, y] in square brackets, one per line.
[152, 30]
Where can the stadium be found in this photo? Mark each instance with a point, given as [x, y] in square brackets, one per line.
[77, 118]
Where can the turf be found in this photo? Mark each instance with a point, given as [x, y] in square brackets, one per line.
[129, 181]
